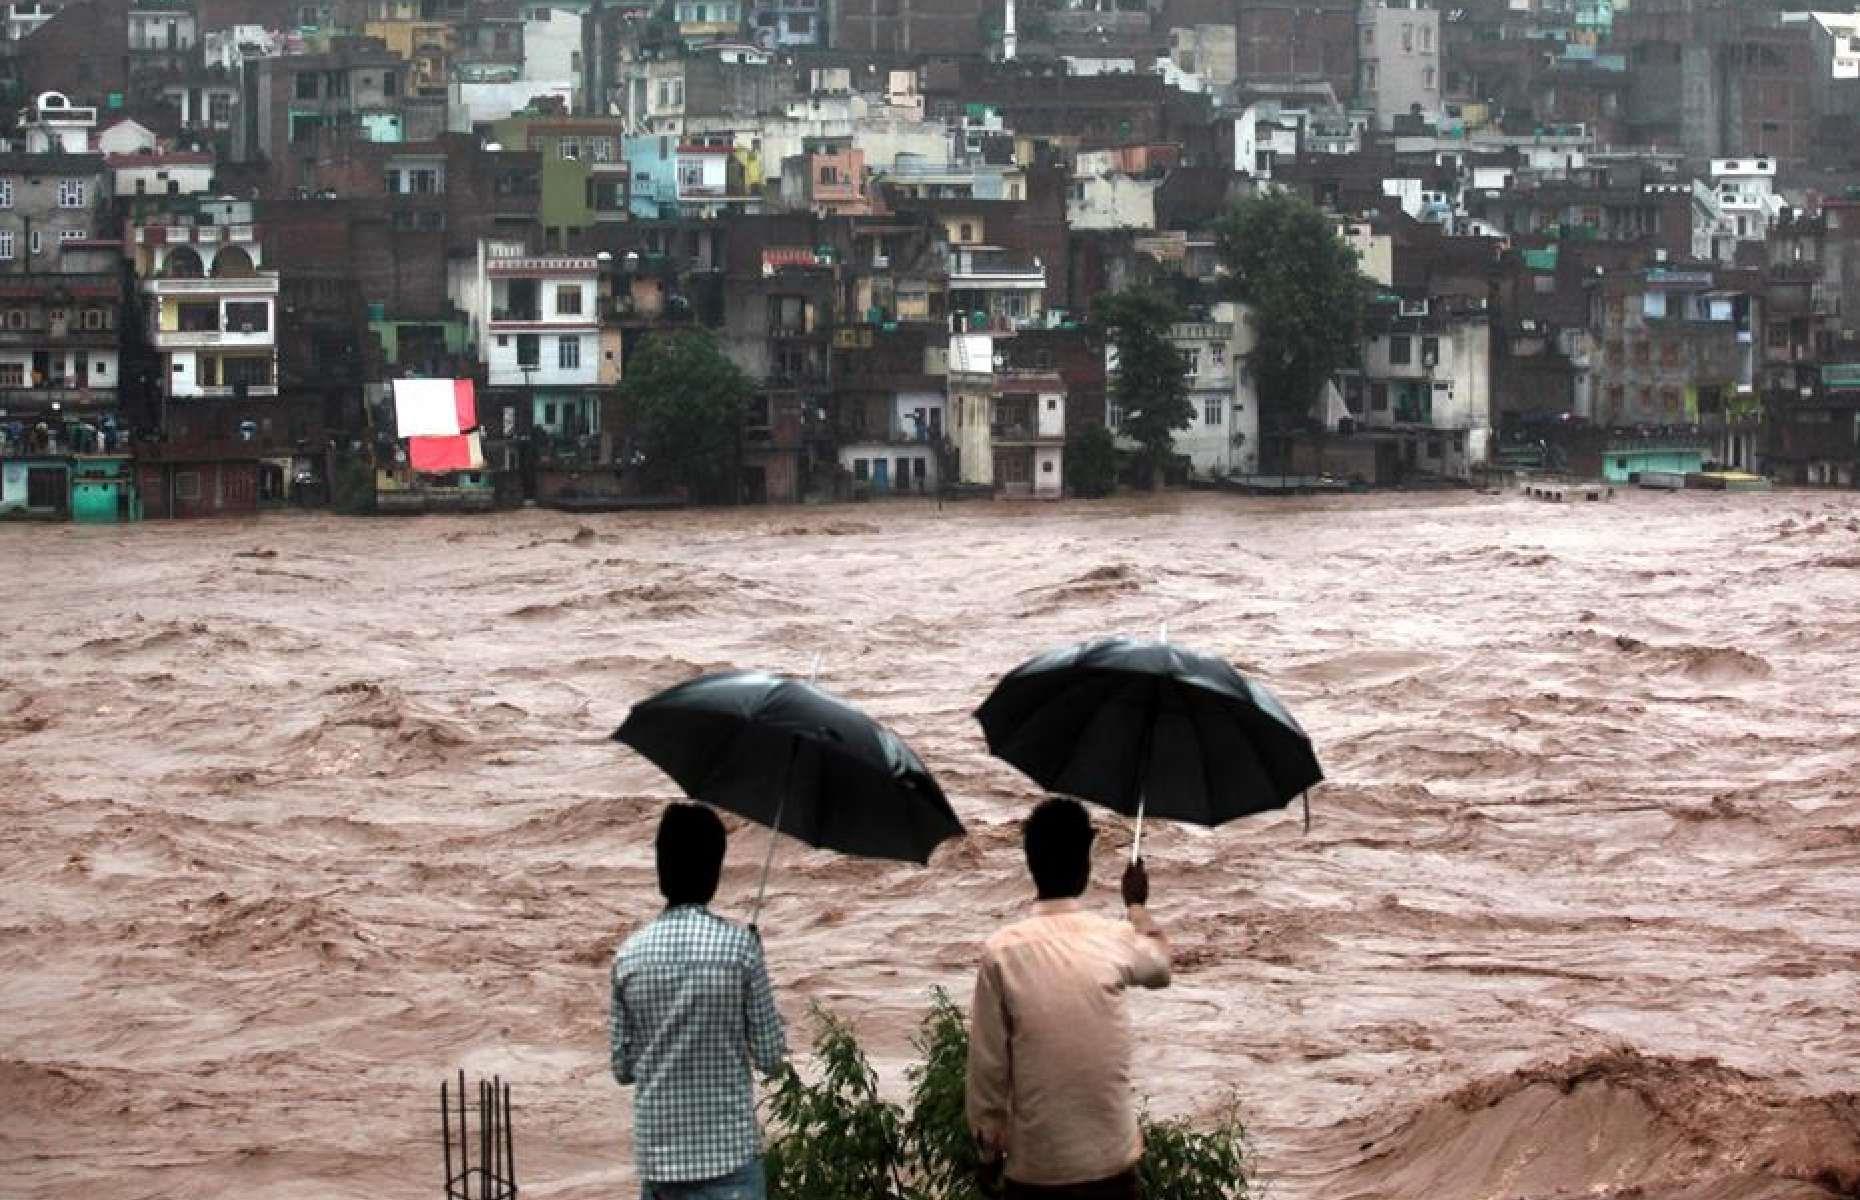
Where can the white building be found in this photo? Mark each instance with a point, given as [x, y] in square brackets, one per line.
[1223, 438]
[1398, 61]
[178, 173]
[53, 124]
[1008, 426]
[212, 308]
[1427, 383]
[537, 325]
[1111, 201]
[1742, 203]
[903, 459]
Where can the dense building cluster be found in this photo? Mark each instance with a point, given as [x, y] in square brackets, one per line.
[1602, 237]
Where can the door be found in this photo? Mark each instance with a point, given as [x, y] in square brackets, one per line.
[904, 473]
[881, 471]
[45, 488]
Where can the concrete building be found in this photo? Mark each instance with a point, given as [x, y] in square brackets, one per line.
[1676, 342]
[49, 203]
[1425, 386]
[212, 305]
[1399, 64]
[1223, 437]
[537, 325]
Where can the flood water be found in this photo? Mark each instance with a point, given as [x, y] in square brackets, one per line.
[305, 812]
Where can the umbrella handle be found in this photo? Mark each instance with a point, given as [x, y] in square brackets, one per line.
[1136, 842]
[768, 857]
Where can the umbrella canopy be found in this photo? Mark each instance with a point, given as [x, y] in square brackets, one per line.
[1142, 726]
[787, 755]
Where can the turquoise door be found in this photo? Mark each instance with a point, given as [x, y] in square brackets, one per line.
[880, 472]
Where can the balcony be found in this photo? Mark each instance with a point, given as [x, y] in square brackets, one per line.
[203, 339]
[1020, 434]
[16, 400]
[253, 285]
[227, 391]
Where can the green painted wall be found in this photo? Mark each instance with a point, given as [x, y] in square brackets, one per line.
[457, 335]
[1617, 467]
[564, 180]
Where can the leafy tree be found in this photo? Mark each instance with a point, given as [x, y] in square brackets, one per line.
[684, 401]
[1152, 377]
[1307, 298]
[1091, 462]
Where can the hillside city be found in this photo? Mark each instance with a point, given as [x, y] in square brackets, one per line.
[401, 254]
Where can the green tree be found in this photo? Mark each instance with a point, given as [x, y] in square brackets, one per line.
[1300, 279]
[1151, 385]
[684, 402]
[1091, 462]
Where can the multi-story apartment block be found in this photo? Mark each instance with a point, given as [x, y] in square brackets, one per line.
[1399, 60]
[212, 307]
[537, 324]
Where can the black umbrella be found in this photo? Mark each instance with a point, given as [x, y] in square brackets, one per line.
[787, 755]
[1136, 725]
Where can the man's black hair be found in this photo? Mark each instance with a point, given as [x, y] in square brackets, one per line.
[689, 850]
[1058, 837]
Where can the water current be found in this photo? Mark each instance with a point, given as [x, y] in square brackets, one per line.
[303, 813]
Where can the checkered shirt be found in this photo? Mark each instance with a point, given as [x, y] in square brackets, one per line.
[692, 1009]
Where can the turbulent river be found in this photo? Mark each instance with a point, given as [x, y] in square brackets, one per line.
[305, 812]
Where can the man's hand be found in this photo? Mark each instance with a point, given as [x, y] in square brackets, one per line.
[1136, 885]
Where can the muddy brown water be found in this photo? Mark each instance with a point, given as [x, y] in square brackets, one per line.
[305, 812]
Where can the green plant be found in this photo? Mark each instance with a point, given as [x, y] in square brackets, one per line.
[838, 1140]
[1091, 462]
[835, 1139]
[940, 1150]
[1181, 1162]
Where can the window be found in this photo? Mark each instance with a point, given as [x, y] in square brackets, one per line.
[1427, 37]
[862, 469]
[1369, 76]
[1430, 351]
[219, 108]
[529, 350]
[16, 318]
[36, 243]
[1670, 354]
[96, 318]
[391, 180]
[12, 375]
[568, 300]
[1401, 351]
[1407, 37]
[307, 85]
[568, 353]
[1427, 78]
[390, 84]
[501, 39]
[1211, 410]
[6, 243]
[600, 149]
[187, 485]
[71, 193]
[71, 235]
[6, 193]
[570, 149]
[1378, 397]
[249, 317]
[423, 181]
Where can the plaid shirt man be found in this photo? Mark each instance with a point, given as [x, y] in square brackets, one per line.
[691, 1009]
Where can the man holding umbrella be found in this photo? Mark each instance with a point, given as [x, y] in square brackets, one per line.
[692, 1009]
[1049, 1051]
